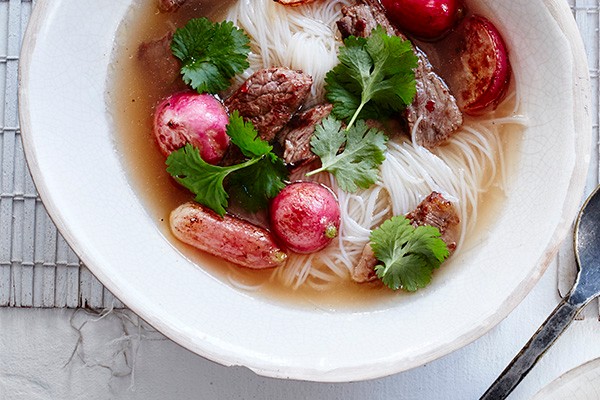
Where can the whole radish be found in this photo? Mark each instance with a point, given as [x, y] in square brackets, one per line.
[198, 119]
[305, 216]
[424, 19]
[228, 237]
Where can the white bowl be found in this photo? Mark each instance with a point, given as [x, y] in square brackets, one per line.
[82, 181]
[580, 383]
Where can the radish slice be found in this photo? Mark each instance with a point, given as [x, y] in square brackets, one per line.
[485, 74]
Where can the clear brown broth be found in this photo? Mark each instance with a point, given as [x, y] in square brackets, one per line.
[133, 99]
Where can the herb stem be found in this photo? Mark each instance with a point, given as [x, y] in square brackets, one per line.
[316, 171]
[245, 164]
[355, 116]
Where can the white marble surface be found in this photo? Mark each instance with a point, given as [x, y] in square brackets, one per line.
[68, 354]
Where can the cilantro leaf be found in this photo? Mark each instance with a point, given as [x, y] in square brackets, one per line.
[409, 255]
[244, 136]
[357, 165]
[255, 185]
[201, 178]
[211, 54]
[254, 181]
[374, 79]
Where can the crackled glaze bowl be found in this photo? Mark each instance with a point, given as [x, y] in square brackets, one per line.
[70, 146]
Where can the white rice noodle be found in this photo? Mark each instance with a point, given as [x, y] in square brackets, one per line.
[463, 170]
[303, 37]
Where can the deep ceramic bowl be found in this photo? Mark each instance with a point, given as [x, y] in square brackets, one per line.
[579, 383]
[70, 147]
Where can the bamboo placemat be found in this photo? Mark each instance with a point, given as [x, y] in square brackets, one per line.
[37, 267]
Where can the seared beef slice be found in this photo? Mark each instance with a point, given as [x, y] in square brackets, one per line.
[294, 3]
[295, 136]
[170, 5]
[157, 60]
[269, 98]
[434, 105]
[364, 271]
[435, 211]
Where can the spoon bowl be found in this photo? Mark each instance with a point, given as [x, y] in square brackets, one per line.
[587, 251]
[585, 289]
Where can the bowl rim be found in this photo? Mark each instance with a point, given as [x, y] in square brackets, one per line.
[568, 378]
[560, 12]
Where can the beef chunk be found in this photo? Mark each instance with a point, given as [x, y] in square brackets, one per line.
[434, 105]
[170, 5]
[360, 20]
[434, 108]
[295, 136]
[364, 271]
[294, 2]
[269, 98]
[158, 61]
[435, 211]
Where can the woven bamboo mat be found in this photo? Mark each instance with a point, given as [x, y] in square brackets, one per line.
[37, 267]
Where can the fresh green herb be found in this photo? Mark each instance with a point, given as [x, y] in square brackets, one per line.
[255, 185]
[211, 54]
[409, 255]
[357, 165]
[375, 77]
[201, 178]
[259, 178]
[244, 135]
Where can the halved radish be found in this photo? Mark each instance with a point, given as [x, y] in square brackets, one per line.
[484, 68]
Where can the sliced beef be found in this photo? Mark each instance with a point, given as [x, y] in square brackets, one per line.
[360, 20]
[269, 98]
[158, 61]
[295, 136]
[435, 211]
[170, 5]
[364, 271]
[293, 2]
[434, 108]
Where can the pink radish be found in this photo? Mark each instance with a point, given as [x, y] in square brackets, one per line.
[189, 117]
[228, 237]
[424, 19]
[305, 216]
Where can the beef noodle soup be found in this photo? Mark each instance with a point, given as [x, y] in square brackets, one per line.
[469, 169]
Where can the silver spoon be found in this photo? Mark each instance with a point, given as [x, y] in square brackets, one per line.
[586, 288]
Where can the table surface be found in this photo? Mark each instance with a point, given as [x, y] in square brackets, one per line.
[53, 347]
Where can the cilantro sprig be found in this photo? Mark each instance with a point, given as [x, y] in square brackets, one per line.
[255, 184]
[210, 53]
[357, 165]
[260, 178]
[374, 79]
[408, 254]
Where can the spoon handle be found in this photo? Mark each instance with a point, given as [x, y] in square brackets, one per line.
[549, 331]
